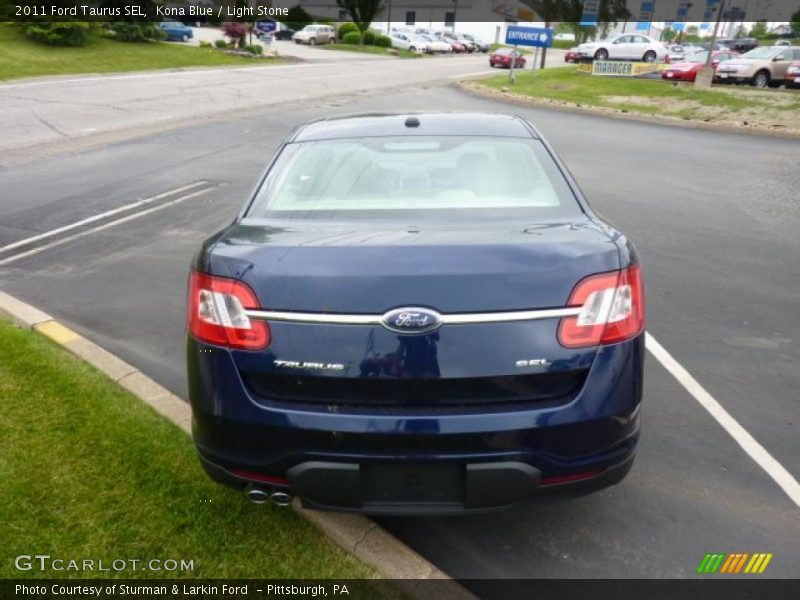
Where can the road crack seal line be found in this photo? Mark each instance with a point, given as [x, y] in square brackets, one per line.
[48, 124]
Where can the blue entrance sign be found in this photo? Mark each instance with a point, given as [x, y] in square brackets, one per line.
[536, 37]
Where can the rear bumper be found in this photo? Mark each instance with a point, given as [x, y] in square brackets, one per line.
[384, 463]
[470, 488]
[727, 78]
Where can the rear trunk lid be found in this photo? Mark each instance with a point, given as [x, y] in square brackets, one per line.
[360, 271]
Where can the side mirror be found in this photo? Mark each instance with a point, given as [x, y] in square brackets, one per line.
[778, 58]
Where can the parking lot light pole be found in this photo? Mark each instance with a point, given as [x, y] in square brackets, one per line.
[705, 75]
[512, 77]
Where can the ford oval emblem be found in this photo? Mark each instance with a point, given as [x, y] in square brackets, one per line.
[412, 320]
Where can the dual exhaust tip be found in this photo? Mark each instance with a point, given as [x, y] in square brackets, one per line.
[260, 495]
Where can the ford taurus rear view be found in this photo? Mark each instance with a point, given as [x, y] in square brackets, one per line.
[416, 314]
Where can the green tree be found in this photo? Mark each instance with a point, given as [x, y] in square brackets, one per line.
[362, 13]
[571, 11]
[668, 34]
[759, 29]
[795, 23]
[610, 13]
[297, 17]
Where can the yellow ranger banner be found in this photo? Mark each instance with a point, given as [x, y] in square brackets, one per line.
[614, 68]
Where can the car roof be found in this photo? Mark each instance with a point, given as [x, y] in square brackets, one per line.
[402, 124]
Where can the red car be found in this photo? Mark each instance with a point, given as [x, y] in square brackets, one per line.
[572, 55]
[502, 58]
[687, 69]
[792, 77]
[457, 47]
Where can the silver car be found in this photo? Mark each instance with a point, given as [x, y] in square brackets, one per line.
[315, 34]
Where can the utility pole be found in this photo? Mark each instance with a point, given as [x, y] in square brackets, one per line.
[389, 18]
[705, 76]
[714, 35]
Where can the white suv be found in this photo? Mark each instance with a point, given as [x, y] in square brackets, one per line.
[315, 34]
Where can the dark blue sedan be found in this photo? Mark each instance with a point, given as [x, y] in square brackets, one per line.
[416, 314]
[176, 31]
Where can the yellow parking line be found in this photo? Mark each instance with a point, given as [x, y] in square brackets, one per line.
[57, 332]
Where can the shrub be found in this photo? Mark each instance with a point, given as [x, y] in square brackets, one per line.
[352, 38]
[68, 33]
[383, 41]
[220, 43]
[236, 31]
[369, 37]
[346, 28]
[136, 32]
[255, 49]
[205, 44]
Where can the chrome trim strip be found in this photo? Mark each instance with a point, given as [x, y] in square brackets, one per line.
[454, 319]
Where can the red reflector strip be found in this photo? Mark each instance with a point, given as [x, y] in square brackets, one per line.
[571, 477]
[260, 477]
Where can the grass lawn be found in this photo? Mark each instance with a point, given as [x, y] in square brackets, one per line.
[21, 57]
[88, 471]
[371, 50]
[655, 97]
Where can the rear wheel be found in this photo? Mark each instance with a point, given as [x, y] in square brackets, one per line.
[601, 54]
[331, 40]
[761, 79]
[313, 41]
[649, 56]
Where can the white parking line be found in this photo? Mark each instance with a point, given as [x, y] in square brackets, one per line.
[104, 226]
[742, 437]
[98, 217]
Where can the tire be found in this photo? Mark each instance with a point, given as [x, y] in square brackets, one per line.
[760, 79]
[649, 57]
[601, 54]
[331, 40]
[184, 38]
[312, 41]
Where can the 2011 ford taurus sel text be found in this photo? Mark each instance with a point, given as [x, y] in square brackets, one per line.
[416, 314]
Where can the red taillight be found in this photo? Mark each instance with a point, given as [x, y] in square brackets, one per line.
[571, 477]
[260, 477]
[216, 313]
[612, 309]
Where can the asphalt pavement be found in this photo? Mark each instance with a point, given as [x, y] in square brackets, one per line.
[714, 216]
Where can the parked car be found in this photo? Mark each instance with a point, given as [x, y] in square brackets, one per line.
[761, 67]
[367, 372]
[455, 45]
[624, 47]
[175, 31]
[502, 58]
[315, 34]
[677, 52]
[284, 33]
[717, 46]
[792, 77]
[480, 45]
[782, 43]
[403, 41]
[435, 45]
[572, 55]
[740, 45]
[687, 69]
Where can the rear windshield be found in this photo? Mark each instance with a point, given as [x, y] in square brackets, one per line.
[416, 177]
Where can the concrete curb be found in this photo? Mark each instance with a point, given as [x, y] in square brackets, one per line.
[530, 102]
[355, 534]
